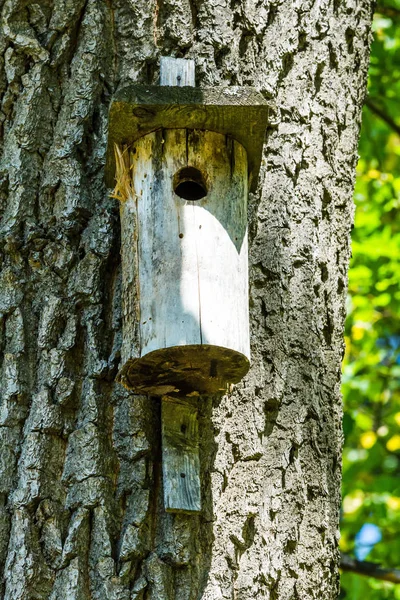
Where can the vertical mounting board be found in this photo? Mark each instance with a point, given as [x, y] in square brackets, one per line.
[179, 426]
[180, 456]
[177, 71]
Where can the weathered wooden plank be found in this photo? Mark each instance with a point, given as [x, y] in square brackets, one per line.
[130, 294]
[177, 71]
[180, 456]
[218, 226]
[167, 262]
[240, 112]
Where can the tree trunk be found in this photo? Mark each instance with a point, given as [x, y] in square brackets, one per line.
[81, 512]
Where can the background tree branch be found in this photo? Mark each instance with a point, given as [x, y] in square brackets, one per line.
[382, 115]
[388, 11]
[369, 569]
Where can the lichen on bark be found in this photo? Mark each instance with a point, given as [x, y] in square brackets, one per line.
[81, 512]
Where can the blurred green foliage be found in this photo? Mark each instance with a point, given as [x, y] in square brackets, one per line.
[371, 370]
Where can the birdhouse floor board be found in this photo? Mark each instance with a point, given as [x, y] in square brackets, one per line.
[185, 370]
[180, 450]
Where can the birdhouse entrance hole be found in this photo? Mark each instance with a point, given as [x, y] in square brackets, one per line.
[189, 184]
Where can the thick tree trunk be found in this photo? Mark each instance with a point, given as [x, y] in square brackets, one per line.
[81, 512]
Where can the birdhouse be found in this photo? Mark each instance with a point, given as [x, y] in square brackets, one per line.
[183, 160]
[190, 157]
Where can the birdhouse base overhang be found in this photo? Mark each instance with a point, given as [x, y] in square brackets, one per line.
[184, 370]
[238, 112]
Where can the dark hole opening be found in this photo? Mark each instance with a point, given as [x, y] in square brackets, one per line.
[189, 184]
[213, 367]
[183, 475]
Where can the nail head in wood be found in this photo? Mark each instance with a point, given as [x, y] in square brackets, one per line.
[177, 71]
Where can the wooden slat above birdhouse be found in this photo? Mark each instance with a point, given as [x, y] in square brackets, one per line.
[239, 112]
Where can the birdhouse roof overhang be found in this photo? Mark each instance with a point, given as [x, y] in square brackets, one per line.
[239, 112]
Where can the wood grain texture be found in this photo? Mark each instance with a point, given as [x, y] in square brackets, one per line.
[180, 455]
[187, 370]
[130, 282]
[192, 261]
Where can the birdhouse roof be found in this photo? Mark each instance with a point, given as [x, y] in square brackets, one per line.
[240, 112]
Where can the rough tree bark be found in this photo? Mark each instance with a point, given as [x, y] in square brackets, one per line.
[81, 512]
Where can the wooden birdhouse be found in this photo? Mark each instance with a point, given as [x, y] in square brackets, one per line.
[190, 156]
[183, 160]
